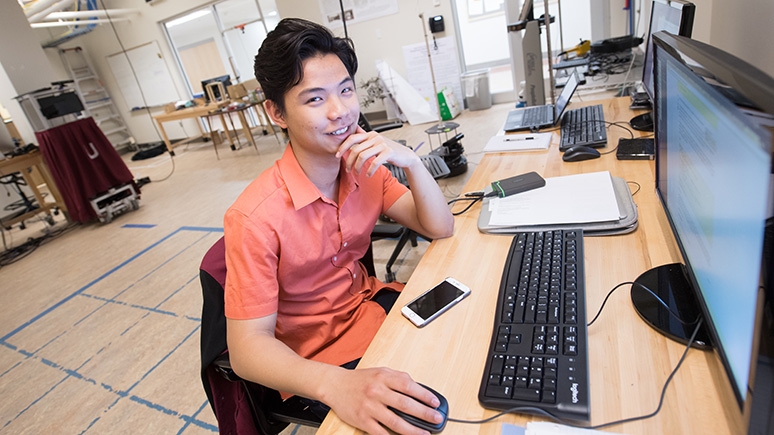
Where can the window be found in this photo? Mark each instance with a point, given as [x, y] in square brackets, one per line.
[478, 8]
[220, 39]
[483, 34]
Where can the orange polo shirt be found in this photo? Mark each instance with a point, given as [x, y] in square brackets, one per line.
[291, 251]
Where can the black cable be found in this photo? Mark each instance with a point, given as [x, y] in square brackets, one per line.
[660, 301]
[10, 256]
[473, 200]
[542, 412]
[638, 186]
[131, 67]
[525, 409]
[139, 86]
[663, 390]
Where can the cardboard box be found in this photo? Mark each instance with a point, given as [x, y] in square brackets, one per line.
[237, 91]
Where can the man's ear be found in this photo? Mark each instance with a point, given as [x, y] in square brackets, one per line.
[275, 114]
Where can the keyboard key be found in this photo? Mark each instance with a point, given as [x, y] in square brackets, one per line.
[528, 394]
[499, 391]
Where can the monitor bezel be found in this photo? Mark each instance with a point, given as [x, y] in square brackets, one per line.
[224, 79]
[687, 13]
[716, 66]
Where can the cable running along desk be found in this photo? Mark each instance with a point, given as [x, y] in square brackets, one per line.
[628, 360]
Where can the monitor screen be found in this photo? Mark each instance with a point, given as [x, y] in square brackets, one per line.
[673, 16]
[62, 104]
[713, 172]
[225, 80]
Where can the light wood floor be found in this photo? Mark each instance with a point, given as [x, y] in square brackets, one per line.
[100, 325]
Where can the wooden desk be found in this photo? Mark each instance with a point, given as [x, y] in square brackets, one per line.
[212, 110]
[246, 129]
[187, 113]
[628, 361]
[26, 164]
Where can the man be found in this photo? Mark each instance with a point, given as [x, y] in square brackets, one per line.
[298, 302]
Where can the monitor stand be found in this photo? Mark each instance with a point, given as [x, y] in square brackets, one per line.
[642, 122]
[671, 284]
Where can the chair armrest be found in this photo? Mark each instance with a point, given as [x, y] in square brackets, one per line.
[386, 231]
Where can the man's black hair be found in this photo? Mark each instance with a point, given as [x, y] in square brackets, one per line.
[279, 62]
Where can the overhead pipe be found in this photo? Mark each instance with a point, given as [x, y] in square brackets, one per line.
[98, 13]
[38, 6]
[77, 23]
[58, 6]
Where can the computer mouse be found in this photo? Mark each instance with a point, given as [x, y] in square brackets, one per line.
[443, 408]
[580, 153]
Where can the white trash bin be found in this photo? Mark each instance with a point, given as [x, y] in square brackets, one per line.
[475, 86]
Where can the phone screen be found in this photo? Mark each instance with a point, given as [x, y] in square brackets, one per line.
[434, 300]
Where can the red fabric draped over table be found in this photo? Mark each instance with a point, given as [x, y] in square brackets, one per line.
[84, 164]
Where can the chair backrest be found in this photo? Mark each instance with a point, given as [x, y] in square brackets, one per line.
[226, 397]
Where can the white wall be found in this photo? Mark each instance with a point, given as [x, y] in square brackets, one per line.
[745, 29]
[742, 27]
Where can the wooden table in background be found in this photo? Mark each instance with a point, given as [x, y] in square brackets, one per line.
[245, 125]
[628, 360]
[187, 113]
[31, 166]
[220, 111]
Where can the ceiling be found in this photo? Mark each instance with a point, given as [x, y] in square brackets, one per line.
[78, 17]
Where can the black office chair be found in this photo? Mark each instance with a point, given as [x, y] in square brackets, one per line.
[240, 406]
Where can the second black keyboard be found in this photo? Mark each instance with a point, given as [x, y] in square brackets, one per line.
[583, 126]
[537, 356]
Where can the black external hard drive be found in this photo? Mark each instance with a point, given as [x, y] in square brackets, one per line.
[635, 149]
[519, 183]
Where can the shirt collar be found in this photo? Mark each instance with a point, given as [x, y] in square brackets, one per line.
[302, 191]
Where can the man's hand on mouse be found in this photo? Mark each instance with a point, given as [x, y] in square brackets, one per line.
[361, 398]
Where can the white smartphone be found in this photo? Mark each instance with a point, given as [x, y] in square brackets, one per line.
[435, 301]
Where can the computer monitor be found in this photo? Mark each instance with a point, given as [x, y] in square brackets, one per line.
[714, 179]
[225, 80]
[675, 17]
[60, 104]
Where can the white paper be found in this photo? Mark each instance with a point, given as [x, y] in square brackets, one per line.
[570, 199]
[546, 428]
[518, 142]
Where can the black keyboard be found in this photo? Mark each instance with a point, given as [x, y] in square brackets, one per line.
[537, 357]
[583, 126]
[538, 115]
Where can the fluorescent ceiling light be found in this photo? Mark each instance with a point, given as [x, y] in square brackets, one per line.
[190, 17]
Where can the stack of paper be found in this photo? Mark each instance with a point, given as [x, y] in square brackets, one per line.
[572, 199]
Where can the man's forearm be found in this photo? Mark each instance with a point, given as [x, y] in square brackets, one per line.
[432, 211]
[263, 359]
